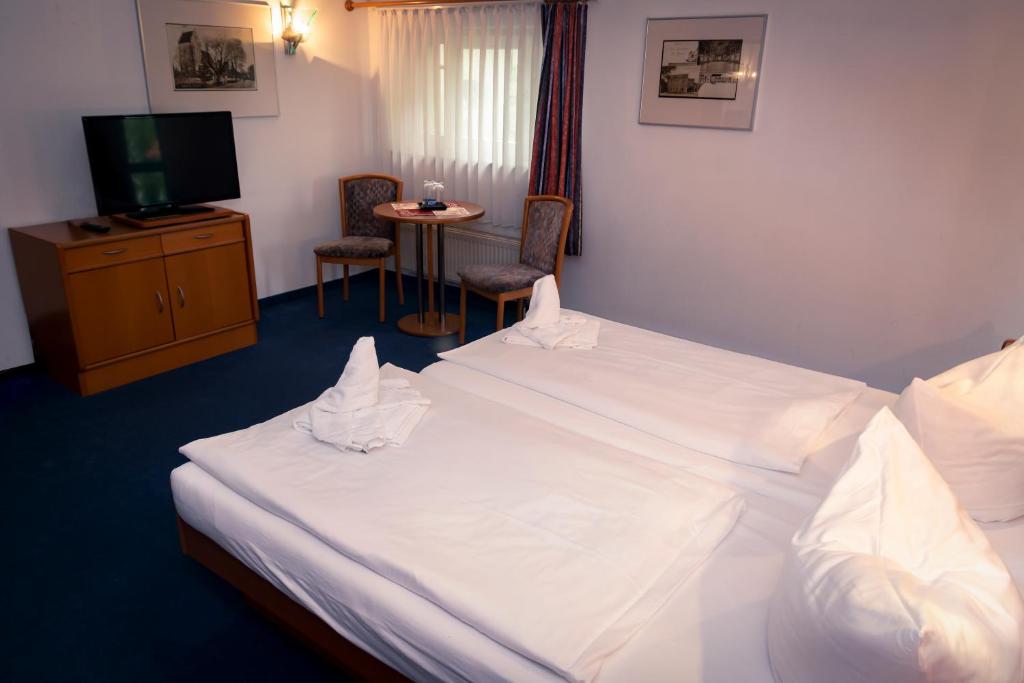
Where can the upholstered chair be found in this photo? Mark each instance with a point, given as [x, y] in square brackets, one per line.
[541, 250]
[365, 239]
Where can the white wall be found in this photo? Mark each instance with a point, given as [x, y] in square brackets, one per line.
[872, 225]
[62, 59]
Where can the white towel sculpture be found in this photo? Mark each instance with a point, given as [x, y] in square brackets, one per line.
[546, 326]
[363, 411]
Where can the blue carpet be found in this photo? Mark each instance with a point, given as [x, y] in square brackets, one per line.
[95, 587]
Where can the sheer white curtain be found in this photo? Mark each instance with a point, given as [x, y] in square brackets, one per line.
[458, 98]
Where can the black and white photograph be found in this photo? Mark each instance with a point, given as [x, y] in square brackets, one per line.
[707, 69]
[211, 57]
[702, 71]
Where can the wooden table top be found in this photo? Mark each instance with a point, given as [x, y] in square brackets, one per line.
[68, 234]
[386, 212]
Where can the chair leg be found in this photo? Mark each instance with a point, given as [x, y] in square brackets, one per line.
[383, 293]
[519, 309]
[462, 313]
[501, 314]
[344, 283]
[398, 277]
[319, 287]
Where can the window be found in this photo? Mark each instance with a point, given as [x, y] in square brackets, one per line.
[488, 114]
[457, 99]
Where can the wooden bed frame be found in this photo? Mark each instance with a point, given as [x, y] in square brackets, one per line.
[284, 611]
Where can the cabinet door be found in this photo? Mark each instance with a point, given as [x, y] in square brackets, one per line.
[120, 309]
[209, 289]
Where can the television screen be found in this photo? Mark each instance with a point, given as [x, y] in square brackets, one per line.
[155, 162]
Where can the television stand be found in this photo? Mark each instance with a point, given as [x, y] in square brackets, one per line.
[105, 309]
[171, 215]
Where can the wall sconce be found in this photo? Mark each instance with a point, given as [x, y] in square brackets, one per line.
[295, 28]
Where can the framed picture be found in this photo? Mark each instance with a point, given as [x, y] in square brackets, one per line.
[207, 55]
[702, 71]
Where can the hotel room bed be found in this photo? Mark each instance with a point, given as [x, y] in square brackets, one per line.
[712, 628]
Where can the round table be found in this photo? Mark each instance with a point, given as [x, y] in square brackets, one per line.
[428, 323]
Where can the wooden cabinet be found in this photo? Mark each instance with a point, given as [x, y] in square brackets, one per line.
[119, 310]
[209, 289]
[107, 309]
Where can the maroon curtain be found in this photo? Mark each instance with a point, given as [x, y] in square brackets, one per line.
[555, 167]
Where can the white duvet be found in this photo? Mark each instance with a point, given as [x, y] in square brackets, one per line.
[742, 408]
[553, 545]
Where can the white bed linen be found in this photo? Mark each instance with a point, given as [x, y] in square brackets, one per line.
[970, 422]
[411, 635]
[891, 580]
[556, 546]
[711, 629]
[804, 491]
[737, 407]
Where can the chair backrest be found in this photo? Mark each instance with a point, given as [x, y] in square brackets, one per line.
[545, 228]
[359, 194]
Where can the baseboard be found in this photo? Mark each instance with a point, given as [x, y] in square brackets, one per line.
[28, 368]
[291, 295]
[310, 290]
[463, 246]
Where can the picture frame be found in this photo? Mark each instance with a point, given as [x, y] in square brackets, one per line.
[703, 72]
[209, 55]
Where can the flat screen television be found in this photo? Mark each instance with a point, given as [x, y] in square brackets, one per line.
[152, 165]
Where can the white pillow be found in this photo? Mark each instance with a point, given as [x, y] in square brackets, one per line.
[891, 580]
[970, 422]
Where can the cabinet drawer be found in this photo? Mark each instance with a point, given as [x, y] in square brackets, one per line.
[110, 253]
[200, 238]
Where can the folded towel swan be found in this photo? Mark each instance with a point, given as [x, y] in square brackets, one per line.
[362, 412]
[546, 326]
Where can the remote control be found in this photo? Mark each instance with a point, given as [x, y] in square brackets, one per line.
[93, 227]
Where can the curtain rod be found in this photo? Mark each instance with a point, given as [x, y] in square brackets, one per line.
[350, 5]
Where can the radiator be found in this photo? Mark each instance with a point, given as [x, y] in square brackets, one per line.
[461, 247]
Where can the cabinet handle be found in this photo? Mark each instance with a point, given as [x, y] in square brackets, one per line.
[160, 302]
[114, 252]
[181, 297]
[204, 236]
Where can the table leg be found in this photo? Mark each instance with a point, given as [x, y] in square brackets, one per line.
[430, 268]
[428, 321]
[440, 268]
[419, 273]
